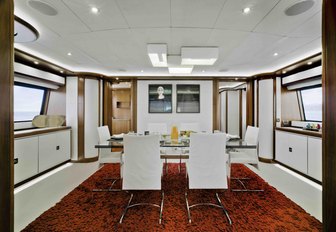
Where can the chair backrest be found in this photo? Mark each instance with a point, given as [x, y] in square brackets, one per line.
[142, 166]
[207, 167]
[191, 126]
[252, 135]
[103, 134]
[157, 128]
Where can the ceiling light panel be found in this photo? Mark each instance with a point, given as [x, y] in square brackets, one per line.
[199, 55]
[175, 67]
[157, 54]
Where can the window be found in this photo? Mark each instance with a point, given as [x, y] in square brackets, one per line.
[28, 102]
[312, 104]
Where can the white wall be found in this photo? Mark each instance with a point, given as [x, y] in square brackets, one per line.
[233, 112]
[72, 112]
[204, 118]
[266, 118]
[91, 118]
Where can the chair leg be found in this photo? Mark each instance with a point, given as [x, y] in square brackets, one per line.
[220, 205]
[244, 189]
[110, 189]
[138, 204]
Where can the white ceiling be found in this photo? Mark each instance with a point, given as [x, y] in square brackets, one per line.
[114, 41]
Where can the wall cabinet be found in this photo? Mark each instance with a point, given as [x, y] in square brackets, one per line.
[40, 152]
[300, 152]
[26, 155]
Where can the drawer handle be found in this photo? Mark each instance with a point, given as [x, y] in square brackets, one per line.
[16, 160]
[57, 148]
[290, 149]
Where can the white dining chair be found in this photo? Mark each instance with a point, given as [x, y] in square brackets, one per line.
[107, 156]
[142, 168]
[246, 156]
[207, 167]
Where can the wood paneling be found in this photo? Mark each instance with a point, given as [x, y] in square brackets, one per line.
[134, 88]
[121, 103]
[6, 115]
[290, 109]
[81, 117]
[240, 114]
[121, 126]
[107, 104]
[249, 103]
[329, 114]
[25, 133]
[215, 105]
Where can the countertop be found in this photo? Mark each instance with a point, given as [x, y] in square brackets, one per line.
[300, 131]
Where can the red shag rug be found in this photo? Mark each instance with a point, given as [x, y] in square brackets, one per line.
[81, 210]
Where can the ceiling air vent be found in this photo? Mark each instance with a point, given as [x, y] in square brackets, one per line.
[43, 8]
[299, 7]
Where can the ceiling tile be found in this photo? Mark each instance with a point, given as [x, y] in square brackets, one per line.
[310, 28]
[187, 37]
[108, 17]
[195, 13]
[149, 13]
[280, 24]
[59, 23]
[232, 16]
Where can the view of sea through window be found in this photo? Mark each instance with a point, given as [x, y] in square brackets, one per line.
[27, 102]
[312, 104]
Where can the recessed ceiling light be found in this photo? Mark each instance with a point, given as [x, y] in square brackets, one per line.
[36, 62]
[94, 10]
[284, 71]
[61, 71]
[236, 79]
[117, 78]
[275, 54]
[246, 10]
[69, 54]
[203, 71]
[142, 70]
[309, 63]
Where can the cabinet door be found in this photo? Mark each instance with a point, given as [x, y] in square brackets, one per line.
[297, 147]
[26, 152]
[315, 158]
[54, 148]
[281, 147]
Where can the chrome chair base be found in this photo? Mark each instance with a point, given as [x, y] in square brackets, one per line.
[142, 203]
[110, 189]
[244, 189]
[220, 205]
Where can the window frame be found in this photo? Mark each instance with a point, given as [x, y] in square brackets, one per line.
[301, 101]
[44, 98]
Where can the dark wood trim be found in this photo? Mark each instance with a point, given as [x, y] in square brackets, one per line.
[226, 111]
[41, 173]
[6, 115]
[215, 105]
[29, 26]
[257, 106]
[86, 160]
[107, 104]
[240, 113]
[39, 131]
[250, 103]
[264, 160]
[134, 100]
[46, 104]
[329, 112]
[99, 105]
[298, 172]
[81, 118]
[274, 114]
[44, 65]
[300, 131]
